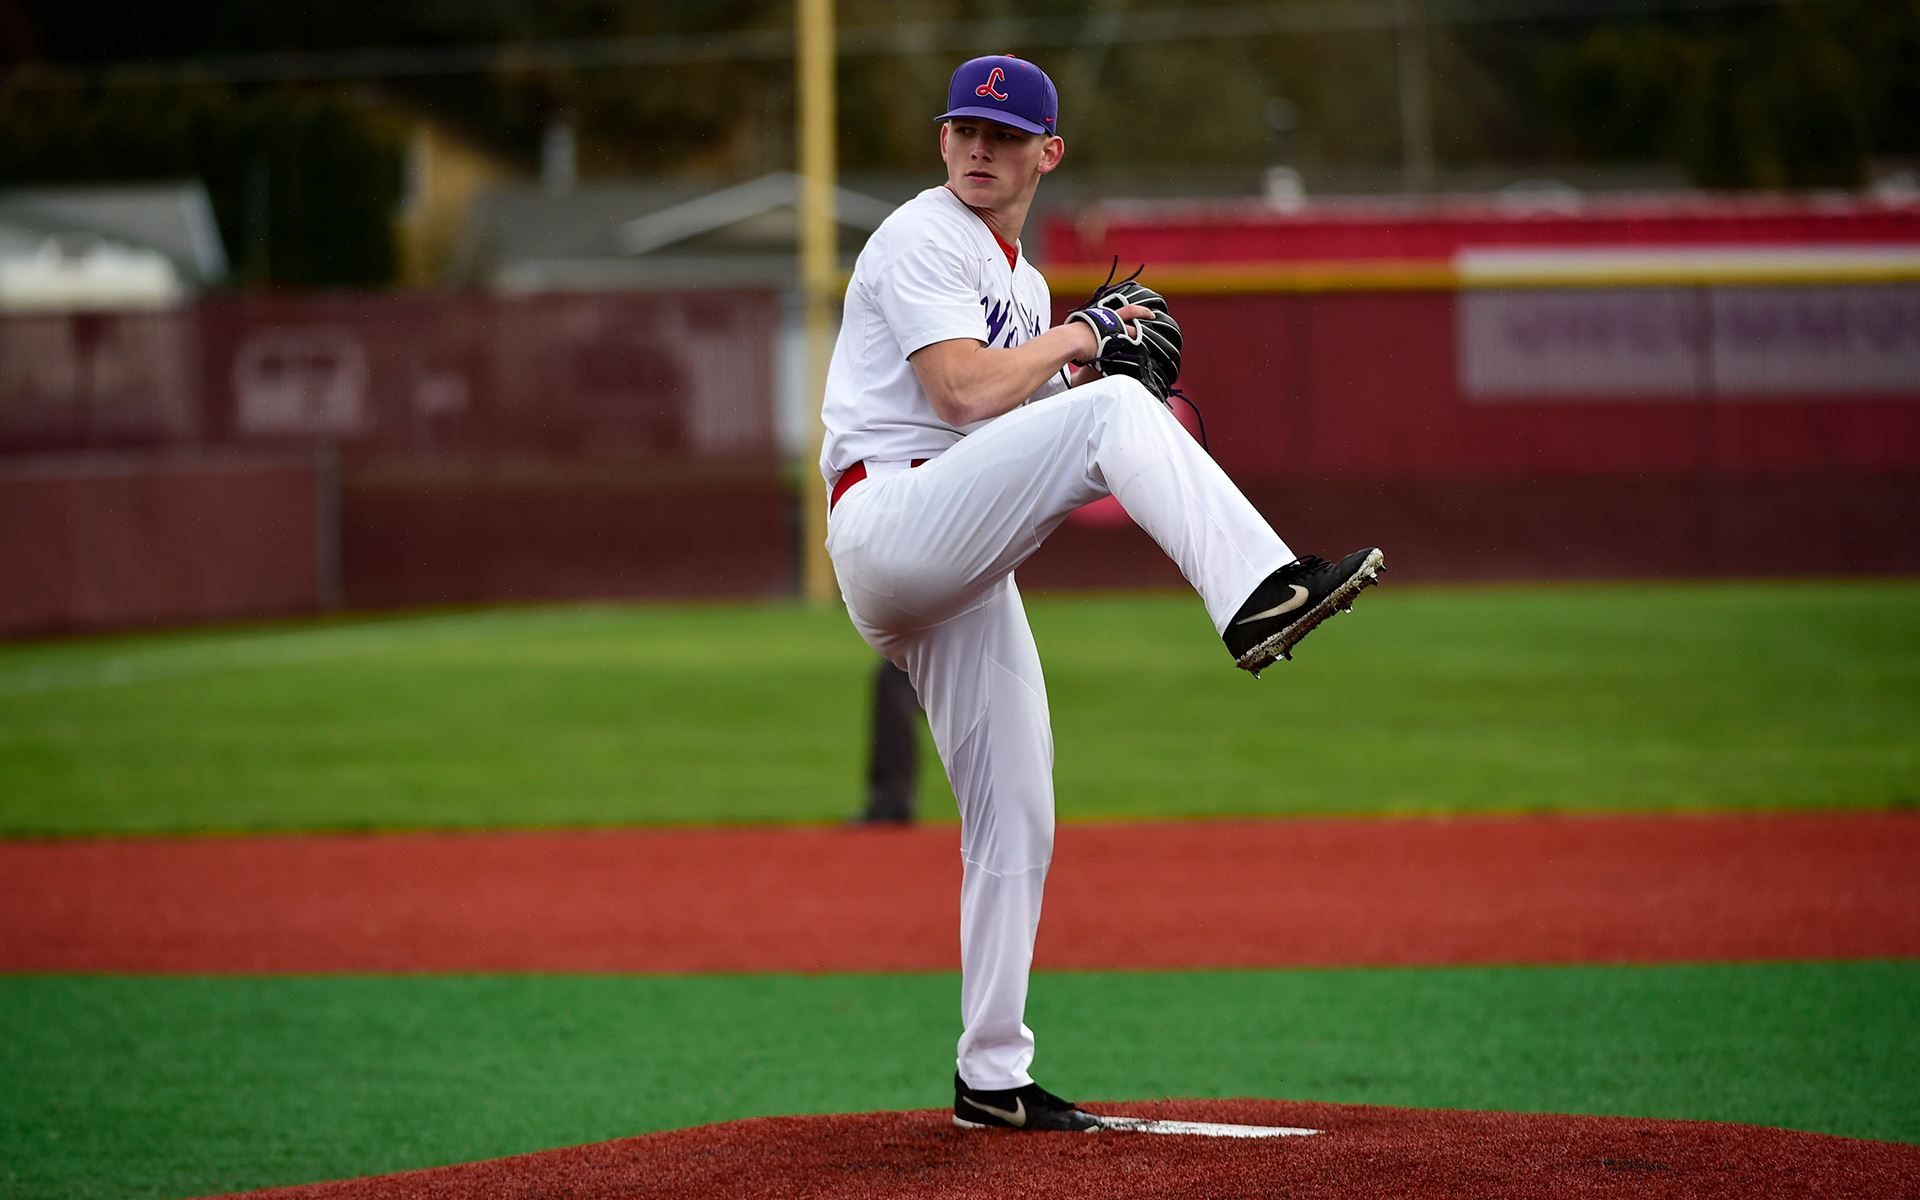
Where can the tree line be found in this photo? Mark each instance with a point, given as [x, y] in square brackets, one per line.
[306, 174]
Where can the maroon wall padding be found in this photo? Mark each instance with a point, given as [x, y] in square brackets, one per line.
[594, 377]
[605, 445]
[1344, 417]
[489, 448]
[1366, 386]
[96, 542]
[1547, 529]
[99, 380]
[521, 534]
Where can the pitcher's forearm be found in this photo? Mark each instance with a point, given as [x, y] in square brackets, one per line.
[967, 382]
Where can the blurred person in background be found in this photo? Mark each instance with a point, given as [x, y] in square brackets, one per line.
[893, 752]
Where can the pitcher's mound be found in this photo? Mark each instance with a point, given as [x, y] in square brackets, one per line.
[1362, 1153]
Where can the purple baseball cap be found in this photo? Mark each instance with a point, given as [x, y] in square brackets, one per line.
[1003, 88]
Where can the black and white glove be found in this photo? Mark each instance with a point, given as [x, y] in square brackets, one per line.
[1147, 349]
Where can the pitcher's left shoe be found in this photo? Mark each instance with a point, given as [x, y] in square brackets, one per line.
[1294, 599]
[1031, 1108]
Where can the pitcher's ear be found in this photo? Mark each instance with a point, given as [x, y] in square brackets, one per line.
[1054, 151]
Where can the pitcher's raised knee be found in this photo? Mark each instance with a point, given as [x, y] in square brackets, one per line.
[1123, 389]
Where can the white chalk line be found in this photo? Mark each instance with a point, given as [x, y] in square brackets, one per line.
[1200, 1128]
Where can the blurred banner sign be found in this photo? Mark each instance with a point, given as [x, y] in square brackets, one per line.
[1547, 331]
[1808, 340]
[301, 381]
[1665, 343]
[1585, 342]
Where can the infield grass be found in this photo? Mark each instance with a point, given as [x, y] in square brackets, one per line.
[1642, 697]
[159, 1087]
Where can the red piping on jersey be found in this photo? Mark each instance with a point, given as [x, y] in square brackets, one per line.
[1007, 248]
[1011, 251]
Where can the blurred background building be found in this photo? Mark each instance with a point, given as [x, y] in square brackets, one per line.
[303, 308]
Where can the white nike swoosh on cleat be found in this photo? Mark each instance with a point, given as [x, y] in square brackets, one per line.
[1017, 1117]
[1299, 598]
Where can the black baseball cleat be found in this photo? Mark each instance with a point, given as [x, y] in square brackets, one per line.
[1031, 1108]
[1294, 599]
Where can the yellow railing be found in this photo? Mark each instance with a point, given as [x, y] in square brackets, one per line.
[1403, 275]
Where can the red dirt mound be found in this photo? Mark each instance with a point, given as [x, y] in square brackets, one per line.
[1363, 1153]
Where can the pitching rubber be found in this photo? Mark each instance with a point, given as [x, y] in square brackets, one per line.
[1201, 1128]
[1174, 1128]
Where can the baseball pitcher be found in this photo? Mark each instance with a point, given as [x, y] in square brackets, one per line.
[960, 432]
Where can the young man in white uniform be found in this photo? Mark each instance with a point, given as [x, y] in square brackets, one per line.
[954, 445]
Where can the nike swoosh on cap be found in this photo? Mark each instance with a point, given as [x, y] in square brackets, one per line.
[1299, 598]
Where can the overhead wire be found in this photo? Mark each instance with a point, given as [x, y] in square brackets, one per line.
[1157, 24]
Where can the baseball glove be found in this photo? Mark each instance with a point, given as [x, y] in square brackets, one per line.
[1150, 351]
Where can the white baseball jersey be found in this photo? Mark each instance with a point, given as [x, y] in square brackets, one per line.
[932, 272]
[925, 560]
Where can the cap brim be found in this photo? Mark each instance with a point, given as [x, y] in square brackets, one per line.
[1000, 115]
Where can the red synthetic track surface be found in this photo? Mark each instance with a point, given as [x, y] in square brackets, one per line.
[1363, 1154]
[1286, 893]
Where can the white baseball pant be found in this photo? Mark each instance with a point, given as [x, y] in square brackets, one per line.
[925, 560]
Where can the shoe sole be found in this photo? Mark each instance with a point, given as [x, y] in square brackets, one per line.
[1280, 645]
[961, 1123]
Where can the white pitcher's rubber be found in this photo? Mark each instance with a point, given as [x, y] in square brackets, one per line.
[1200, 1128]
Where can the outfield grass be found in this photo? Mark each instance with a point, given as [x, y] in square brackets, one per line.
[1623, 698]
[130, 1087]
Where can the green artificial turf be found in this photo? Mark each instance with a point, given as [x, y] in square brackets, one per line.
[170, 1086]
[1627, 697]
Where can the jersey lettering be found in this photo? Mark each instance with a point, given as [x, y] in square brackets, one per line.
[997, 313]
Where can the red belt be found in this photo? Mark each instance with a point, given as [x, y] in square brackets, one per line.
[852, 475]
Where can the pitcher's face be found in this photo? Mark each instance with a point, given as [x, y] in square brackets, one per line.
[990, 165]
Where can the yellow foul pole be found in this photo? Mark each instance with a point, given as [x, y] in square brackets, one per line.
[819, 268]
